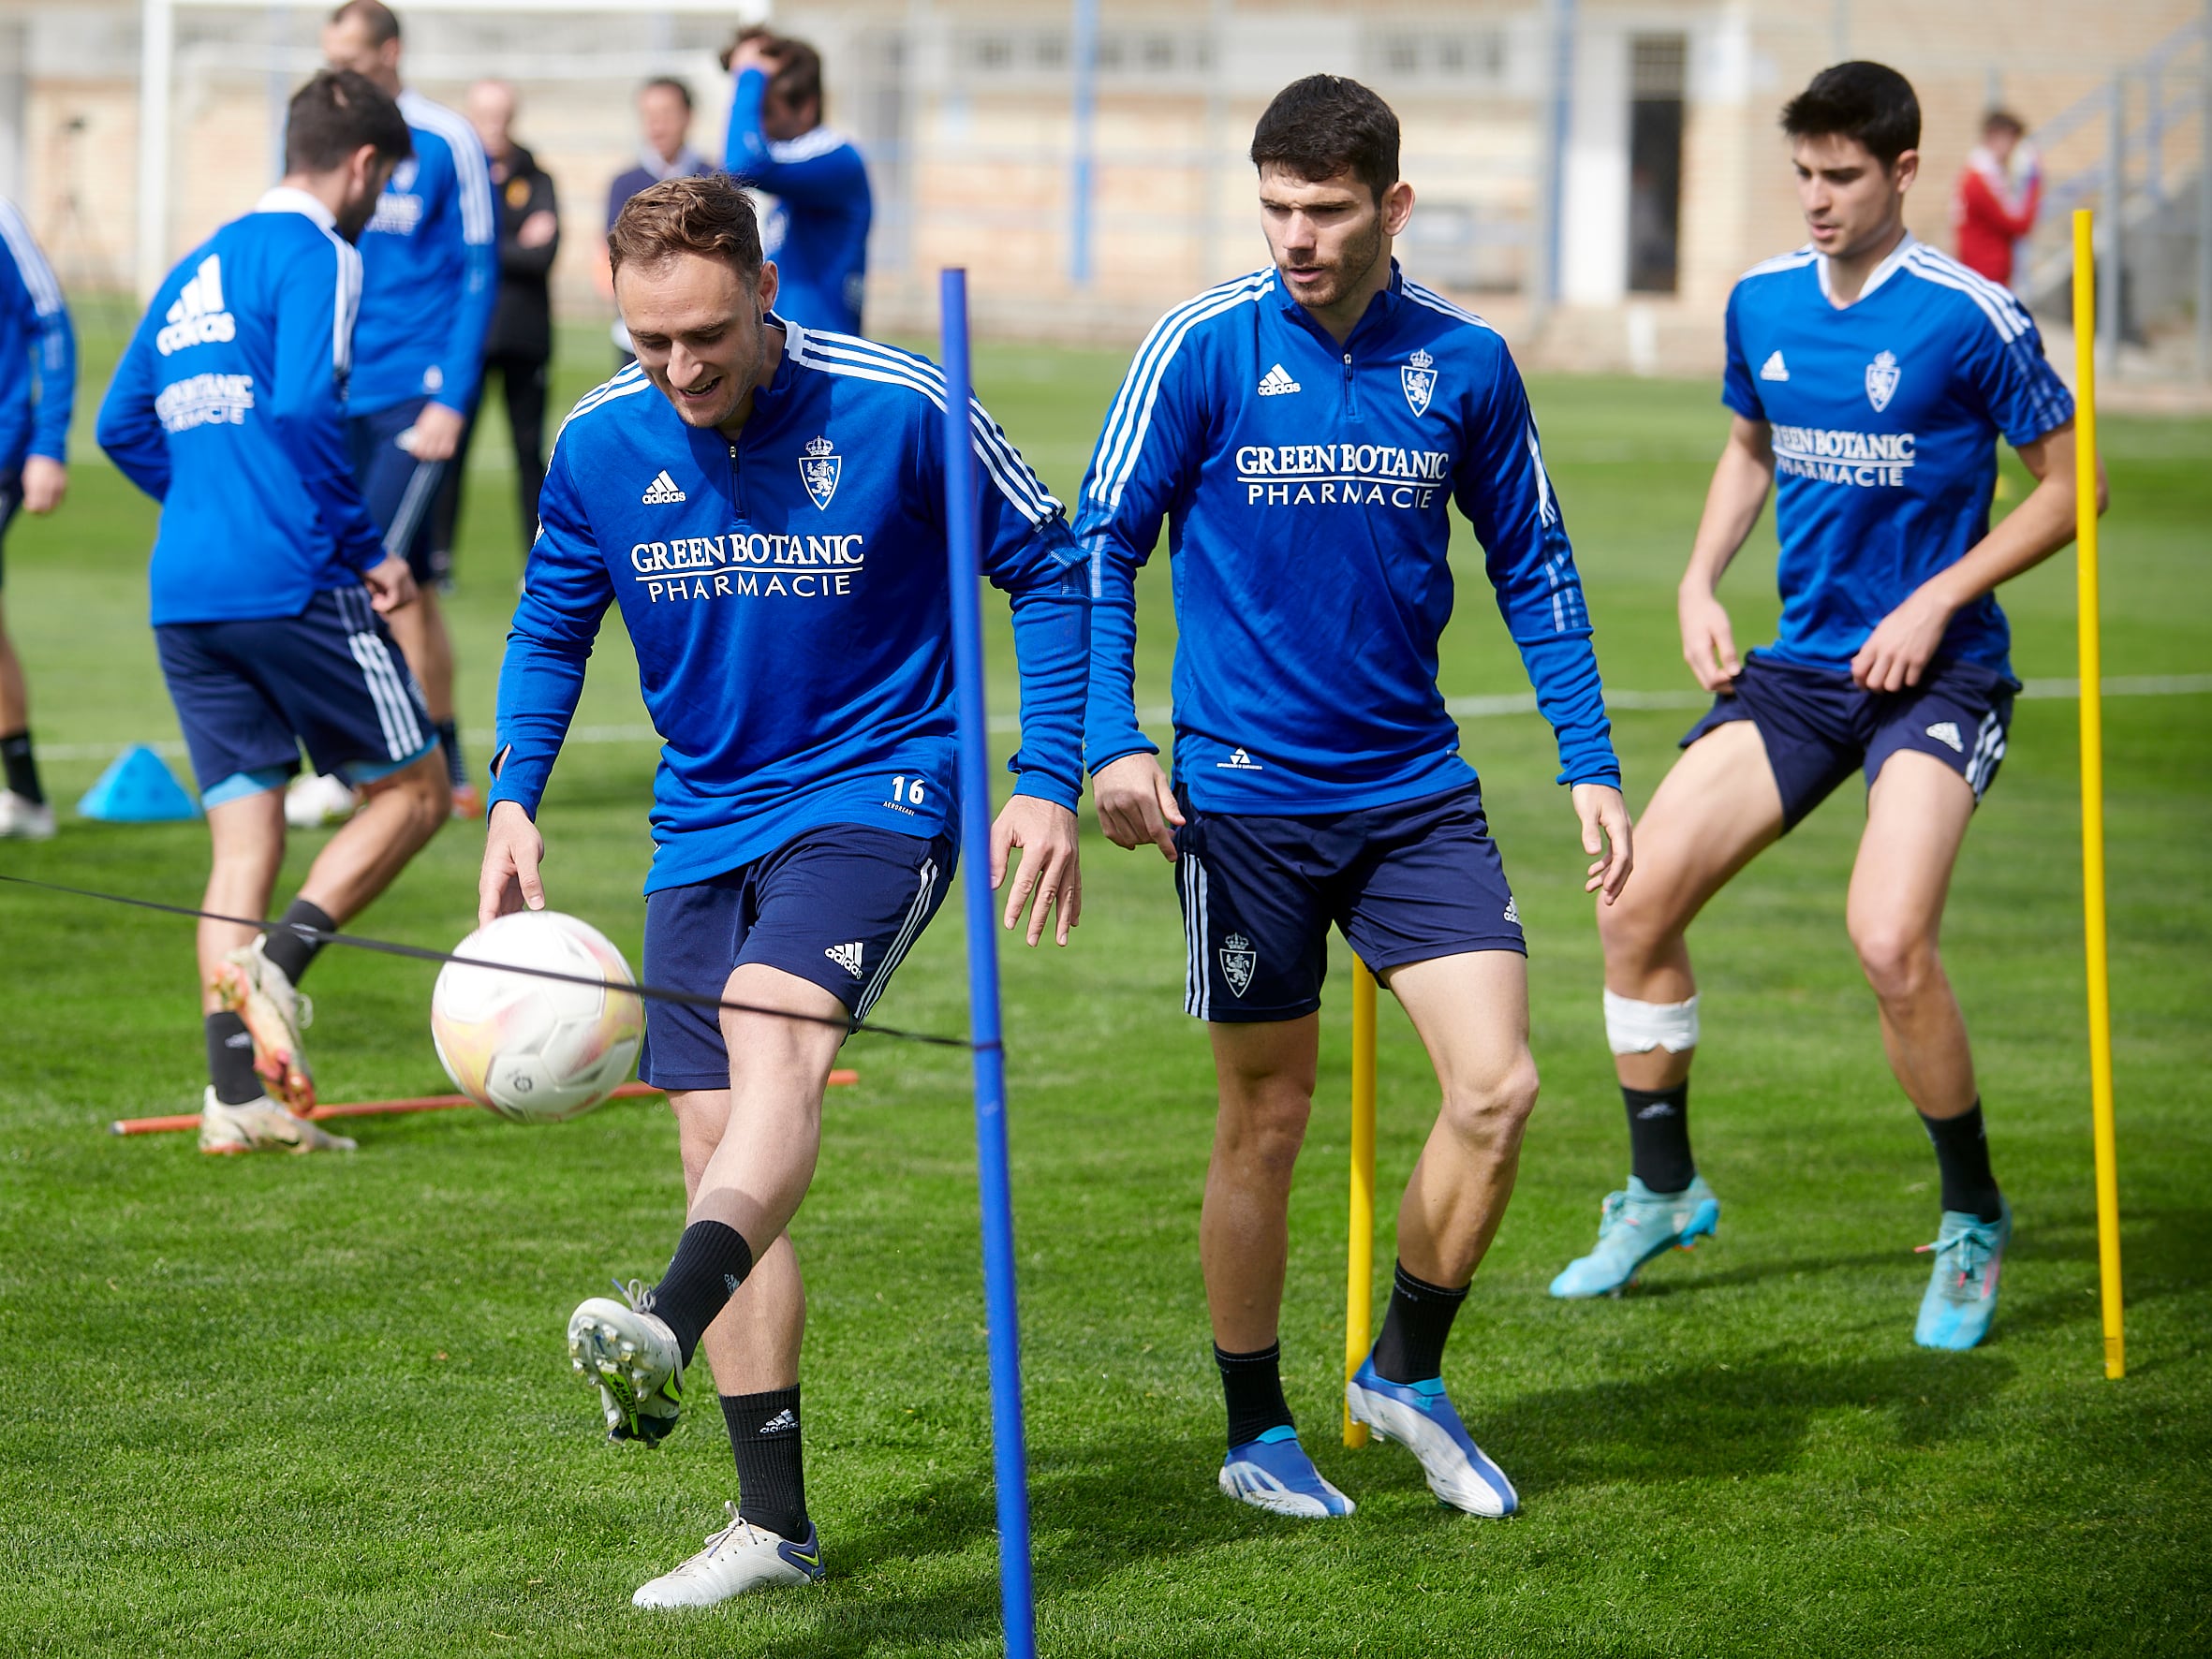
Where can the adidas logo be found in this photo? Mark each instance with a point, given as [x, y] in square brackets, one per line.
[1774, 368]
[1238, 759]
[1513, 910]
[661, 490]
[1277, 381]
[846, 957]
[784, 1419]
[734, 1283]
[1946, 731]
[198, 318]
[1657, 1109]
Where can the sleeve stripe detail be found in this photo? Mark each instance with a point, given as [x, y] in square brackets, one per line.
[2004, 313]
[472, 174]
[865, 359]
[46, 293]
[1797, 259]
[622, 386]
[1121, 441]
[347, 305]
[1435, 301]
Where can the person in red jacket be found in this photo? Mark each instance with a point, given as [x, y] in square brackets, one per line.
[1998, 195]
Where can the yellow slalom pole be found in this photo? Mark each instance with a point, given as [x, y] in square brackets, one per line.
[2108, 1178]
[1358, 1256]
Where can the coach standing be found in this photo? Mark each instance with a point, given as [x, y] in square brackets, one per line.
[430, 261]
[664, 152]
[36, 345]
[815, 226]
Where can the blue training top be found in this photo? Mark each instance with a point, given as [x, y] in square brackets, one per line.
[1885, 416]
[229, 408]
[1305, 488]
[815, 226]
[36, 347]
[430, 261]
[786, 595]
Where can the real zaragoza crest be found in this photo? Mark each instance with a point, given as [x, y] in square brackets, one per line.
[1238, 960]
[1418, 378]
[818, 469]
[1881, 380]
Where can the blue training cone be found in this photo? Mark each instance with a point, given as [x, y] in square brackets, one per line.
[138, 788]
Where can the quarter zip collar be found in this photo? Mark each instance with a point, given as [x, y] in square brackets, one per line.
[1381, 308]
[769, 399]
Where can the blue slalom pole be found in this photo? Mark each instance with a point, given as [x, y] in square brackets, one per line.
[1010, 1455]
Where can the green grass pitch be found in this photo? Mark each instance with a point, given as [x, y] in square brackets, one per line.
[265, 1406]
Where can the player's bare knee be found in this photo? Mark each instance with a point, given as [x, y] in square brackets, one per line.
[1899, 963]
[1492, 1107]
[1263, 1125]
[1637, 932]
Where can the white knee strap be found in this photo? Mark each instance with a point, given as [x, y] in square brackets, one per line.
[1637, 1028]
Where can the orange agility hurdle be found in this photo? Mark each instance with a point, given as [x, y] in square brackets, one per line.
[382, 1108]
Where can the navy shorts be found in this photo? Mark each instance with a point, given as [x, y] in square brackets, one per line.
[249, 693]
[11, 497]
[1406, 883]
[837, 906]
[1820, 727]
[400, 490]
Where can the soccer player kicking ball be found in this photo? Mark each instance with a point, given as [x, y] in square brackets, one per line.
[1304, 430]
[1874, 374]
[765, 504]
[270, 588]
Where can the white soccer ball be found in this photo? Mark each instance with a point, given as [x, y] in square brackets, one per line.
[536, 1051]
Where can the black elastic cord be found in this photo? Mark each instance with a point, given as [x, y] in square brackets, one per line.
[692, 999]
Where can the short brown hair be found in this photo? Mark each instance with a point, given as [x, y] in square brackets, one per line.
[798, 78]
[796, 72]
[708, 215]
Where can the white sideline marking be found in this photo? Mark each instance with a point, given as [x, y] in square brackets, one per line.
[1461, 708]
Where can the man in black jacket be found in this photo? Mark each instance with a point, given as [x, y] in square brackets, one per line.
[519, 345]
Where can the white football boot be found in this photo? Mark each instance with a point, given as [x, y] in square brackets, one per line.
[314, 803]
[256, 990]
[258, 1125]
[25, 819]
[630, 1353]
[737, 1561]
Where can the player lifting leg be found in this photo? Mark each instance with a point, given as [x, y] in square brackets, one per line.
[795, 656]
[1872, 376]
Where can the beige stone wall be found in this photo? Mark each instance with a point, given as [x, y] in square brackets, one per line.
[987, 174]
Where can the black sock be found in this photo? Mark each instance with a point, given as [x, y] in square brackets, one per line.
[290, 949]
[23, 771]
[764, 1439]
[711, 1262]
[1253, 1385]
[1411, 1346]
[1659, 1136]
[449, 737]
[1962, 1155]
[230, 1059]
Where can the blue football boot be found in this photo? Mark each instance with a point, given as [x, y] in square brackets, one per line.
[1635, 1227]
[1962, 1291]
[1419, 1417]
[1272, 1473]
